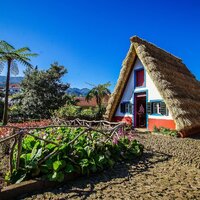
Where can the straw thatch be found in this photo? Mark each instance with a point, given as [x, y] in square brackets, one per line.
[177, 86]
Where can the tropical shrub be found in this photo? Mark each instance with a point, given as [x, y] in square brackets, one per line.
[89, 114]
[72, 112]
[68, 112]
[88, 154]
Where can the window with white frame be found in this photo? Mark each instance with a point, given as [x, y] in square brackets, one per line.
[157, 108]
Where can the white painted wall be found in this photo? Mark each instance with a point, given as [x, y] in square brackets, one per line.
[128, 92]
[153, 93]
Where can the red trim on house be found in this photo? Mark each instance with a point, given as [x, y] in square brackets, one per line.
[167, 123]
[127, 120]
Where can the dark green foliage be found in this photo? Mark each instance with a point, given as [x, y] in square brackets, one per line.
[155, 129]
[42, 91]
[88, 154]
[72, 112]
[165, 131]
[99, 92]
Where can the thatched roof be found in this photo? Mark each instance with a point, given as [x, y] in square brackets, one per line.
[177, 86]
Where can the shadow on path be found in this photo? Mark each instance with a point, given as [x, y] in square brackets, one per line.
[84, 186]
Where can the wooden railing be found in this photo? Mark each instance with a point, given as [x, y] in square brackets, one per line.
[86, 123]
[105, 128]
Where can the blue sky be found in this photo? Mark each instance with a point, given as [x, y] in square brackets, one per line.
[91, 37]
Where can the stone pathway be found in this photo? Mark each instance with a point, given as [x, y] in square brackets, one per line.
[187, 150]
[164, 172]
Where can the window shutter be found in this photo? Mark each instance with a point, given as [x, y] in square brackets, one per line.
[122, 107]
[130, 108]
[163, 108]
[154, 108]
[149, 110]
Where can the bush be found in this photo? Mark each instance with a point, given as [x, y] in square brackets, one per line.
[165, 131]
[88, 113]
[68, 112]
[16, 115]
[155, 129]
[72, 112]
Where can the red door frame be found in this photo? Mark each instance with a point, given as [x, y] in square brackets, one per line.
[141, 94]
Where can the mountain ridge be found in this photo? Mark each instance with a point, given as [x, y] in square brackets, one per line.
[13, 80]
[78, 92]
[71, 91]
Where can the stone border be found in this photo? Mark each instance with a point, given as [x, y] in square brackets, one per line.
[15, 190]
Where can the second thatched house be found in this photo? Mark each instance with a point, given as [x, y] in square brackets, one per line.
[155, 88]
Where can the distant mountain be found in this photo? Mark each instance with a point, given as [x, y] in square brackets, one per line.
[78, 92]
[13, 80]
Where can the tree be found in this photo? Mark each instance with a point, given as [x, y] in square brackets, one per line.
[10, 55]
[43, 92]
[99, 92]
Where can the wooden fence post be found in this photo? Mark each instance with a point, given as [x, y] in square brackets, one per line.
[19, 149]
[12, 152]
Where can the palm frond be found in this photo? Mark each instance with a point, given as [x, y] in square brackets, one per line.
[29, 55]
[24, 62]
[2, 64]
[14, 68]
[106, 85]
[17, 56]
[6, 46]
[22, 50]
[22, 55]
[89, 95]
[90, 84]
[2, 58]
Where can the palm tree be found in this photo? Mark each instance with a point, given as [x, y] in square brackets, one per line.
[10, 56]
[72, 100]
[99, 92]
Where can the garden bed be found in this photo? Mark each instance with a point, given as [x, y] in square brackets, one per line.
[55, 152]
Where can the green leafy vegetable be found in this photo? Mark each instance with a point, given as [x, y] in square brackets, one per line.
[88, 154]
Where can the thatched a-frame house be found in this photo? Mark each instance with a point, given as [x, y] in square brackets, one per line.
[155, 88]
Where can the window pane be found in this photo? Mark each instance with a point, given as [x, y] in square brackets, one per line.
[156, 107]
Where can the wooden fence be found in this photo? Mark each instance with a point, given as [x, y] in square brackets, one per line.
[105, 128]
